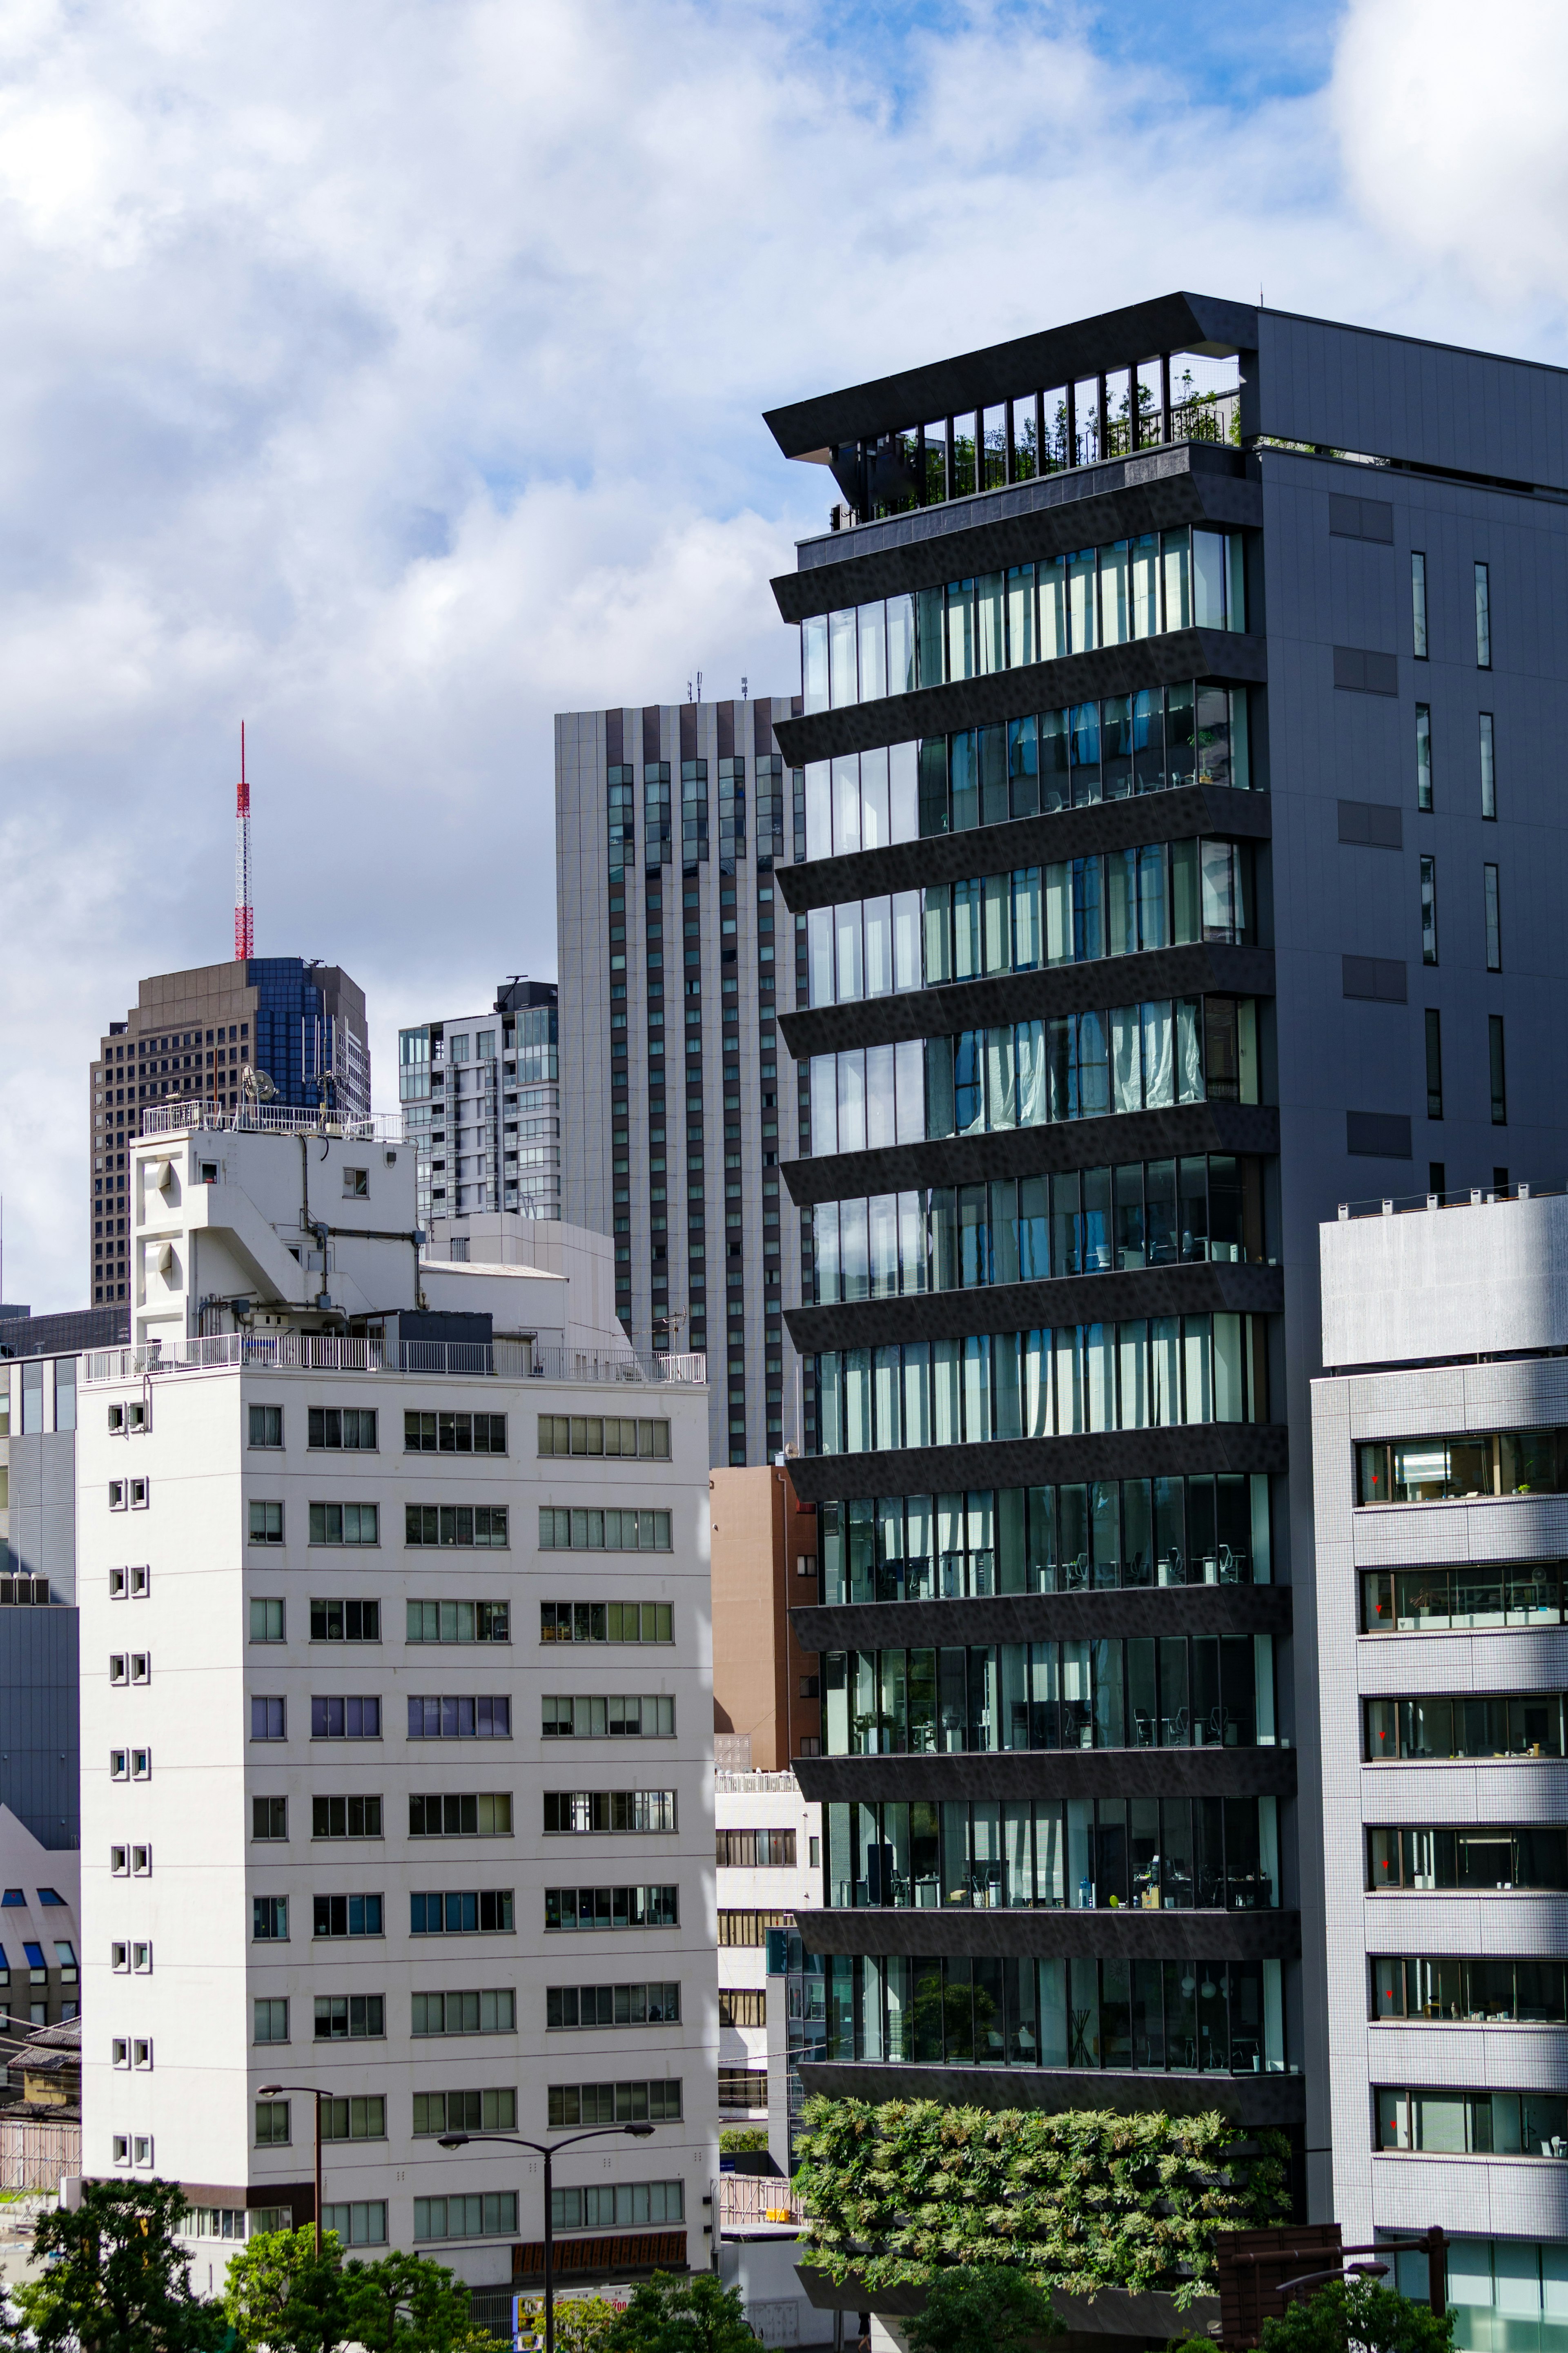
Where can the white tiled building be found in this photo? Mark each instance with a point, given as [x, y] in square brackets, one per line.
[392, 1780]
[770, 1867]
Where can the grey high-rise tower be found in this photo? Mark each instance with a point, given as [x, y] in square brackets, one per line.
[676, 958]
[1185, 857]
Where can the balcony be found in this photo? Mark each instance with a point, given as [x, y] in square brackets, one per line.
[315, 1352]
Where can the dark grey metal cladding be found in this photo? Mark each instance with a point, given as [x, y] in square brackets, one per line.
[1192, 1446]
[1257, 2101]
[941, 1010]
[1054, 1773]
[1085, 347]
[1159, 490]
[40, 1768]
[1126, 1611]
[1213, 809]
[1019, 1307]
[1227, 655]
[1127, 1934]
[1029, 1151]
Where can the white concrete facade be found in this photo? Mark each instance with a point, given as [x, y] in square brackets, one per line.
[260, 1609]
[1427, 1295]
[748, 1895]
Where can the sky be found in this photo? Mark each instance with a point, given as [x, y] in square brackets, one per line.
[390, 375]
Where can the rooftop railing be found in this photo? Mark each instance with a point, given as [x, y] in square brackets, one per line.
[1474, 1196]
[320, 1352]
[269, 1119]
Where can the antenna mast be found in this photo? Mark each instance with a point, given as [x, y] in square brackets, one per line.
[244, 912]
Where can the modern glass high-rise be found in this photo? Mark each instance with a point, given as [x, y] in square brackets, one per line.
[1148, 915]
[482, 1106]
[676, 958]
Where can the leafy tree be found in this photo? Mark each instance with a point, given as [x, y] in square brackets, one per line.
[281, 2294]
[1345, 2314]
[734, 2138]
[404, 2303]
[983, 2309]
[117, 2281]
[582, 2322]
[670, 2315]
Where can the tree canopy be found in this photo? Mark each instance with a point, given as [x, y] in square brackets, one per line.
[1357, 2315]
[983, 2309]
[117, 2280]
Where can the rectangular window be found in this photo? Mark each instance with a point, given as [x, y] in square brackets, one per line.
[267, 1425]
[606, 2206]
[345, 1621]
[460, 1814]
[603, 1531]
[346, 1915]
[458, 1621]
[270, 1919]
[359, 2222]
[578, 1811]
[1428, 911]
[739, 2006]
[750, 1928]
[266, 1524]
[466, 1527]
[460, 1718]
[1494, 918]
[350, 1430]
[270, 2021]
[566, 1717]
[345, 1817]
[1498, 1074]
[272, 2124]
[351, 1717]
[603, 1434]
[1488, 766]
[569, 2008]
[266, 1620]
[1483, 616]
[1418, 602]
[454, 1433]
[485, 1911]
[492, 2215]
[349, 2018]
[345, 1524]
[1422, 756]
[756, 1850]
[606, 1621]
[613, 1907]
[648, 2101]
[270, 1818]
[356, 2119]
[491, 2010]
[455, 2112]
[1434, 1063]
[269, 1719]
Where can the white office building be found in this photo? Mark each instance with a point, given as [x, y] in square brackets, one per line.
[367, 1815]
[1440, 1471]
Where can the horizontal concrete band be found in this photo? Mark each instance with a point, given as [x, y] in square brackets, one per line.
[1198, 1446]
[1093, 2323]
[1230, 656]
[1054, 1773]
[1126, 1933]
[950, 1006]
[1261, 2100]
[1055, 514]
[1032, 1150]
[1128, 1611]
[1020, 1307]
[1213, 809]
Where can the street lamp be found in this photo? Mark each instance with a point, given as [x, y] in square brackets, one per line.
[270, 2090]
[546, 2149]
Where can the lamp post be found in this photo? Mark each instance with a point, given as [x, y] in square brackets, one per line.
[270, 2090]
[546, 2149]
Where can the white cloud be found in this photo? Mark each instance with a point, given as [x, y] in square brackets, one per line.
[390, 375]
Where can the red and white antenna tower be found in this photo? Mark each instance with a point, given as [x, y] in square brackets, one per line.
[244, 912]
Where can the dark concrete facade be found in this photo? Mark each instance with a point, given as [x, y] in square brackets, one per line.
[1461, 458]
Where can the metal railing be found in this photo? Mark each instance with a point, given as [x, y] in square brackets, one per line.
[323, 1352]
[750, 1785]
[748, 2200]
[1473, 1196]
[269, 1119]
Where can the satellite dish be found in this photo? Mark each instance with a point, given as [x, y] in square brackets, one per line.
[264, 1090]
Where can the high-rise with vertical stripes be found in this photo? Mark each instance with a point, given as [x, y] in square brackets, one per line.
[676, 958]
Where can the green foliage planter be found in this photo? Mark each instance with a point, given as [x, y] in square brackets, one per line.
[1078, 2202]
